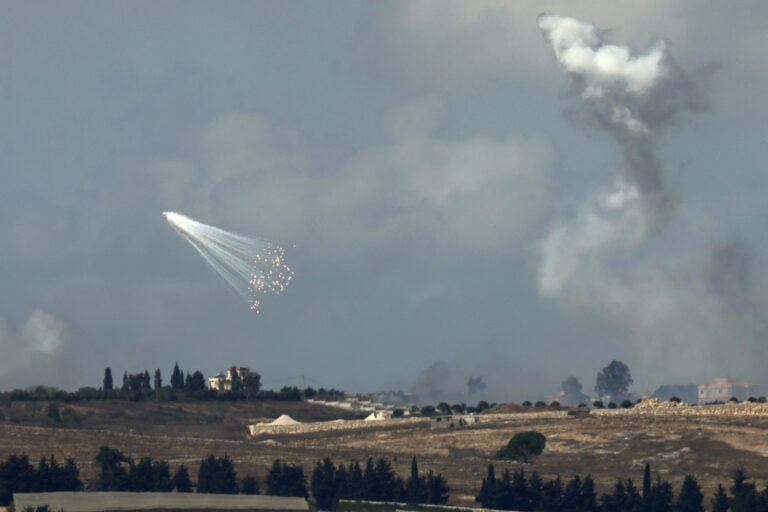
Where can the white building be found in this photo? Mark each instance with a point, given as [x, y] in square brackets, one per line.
[222, 382]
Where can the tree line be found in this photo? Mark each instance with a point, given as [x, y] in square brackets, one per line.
[516, 491]
[142, 386]
[18, 474]
[377, 482]
[329, 483]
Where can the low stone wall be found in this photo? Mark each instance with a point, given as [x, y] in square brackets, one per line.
[655, 407]
[105, 501]
[325, 426]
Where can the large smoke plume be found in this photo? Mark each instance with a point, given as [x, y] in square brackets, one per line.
[629, 97]
[600, 261]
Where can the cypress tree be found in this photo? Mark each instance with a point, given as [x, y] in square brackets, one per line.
[415, 487]
[534, 491]
[552, 496]
[325, 486]
[690, 497]
[647, 488]
[158, 380]
[487, 496]
[181, 481]
[437, 489]
[177, 382]
[355, 485]
[107, 379]
[588, 496]
[720, 501]
[572, 495]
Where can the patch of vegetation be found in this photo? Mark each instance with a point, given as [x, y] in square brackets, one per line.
[524, 446]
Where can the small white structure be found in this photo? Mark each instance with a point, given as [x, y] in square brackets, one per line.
[284, 419]
[221, 382]
[379, 415]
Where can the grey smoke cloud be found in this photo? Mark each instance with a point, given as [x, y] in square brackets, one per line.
[629, 96]
[42, 332]
[601, 262]
[31, 348]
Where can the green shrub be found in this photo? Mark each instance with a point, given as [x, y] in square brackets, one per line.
[598, 404]
[53, 413]
[249, 485]
[397, 413]
[523, 446]
[555, 404]
[527, 403]
[675, 399]
[428, 410]
[627, 404]
[540, 404]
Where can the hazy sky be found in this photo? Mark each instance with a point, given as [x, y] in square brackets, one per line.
[430, 161]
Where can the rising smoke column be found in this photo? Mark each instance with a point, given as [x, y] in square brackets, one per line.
[600, 263]
[629, 96]
[252, 267]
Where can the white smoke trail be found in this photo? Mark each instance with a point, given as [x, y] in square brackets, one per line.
[250, 266]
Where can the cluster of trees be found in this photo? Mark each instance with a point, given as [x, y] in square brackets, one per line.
[286, 480]
[446, 408]
[141, 386]
[520, 492]
[612, 381]
[116, 472]
[17, 474]
[743, 496]
[324, 394]
[377, 482]
[217, 475]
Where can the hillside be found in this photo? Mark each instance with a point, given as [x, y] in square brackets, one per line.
[709, 442]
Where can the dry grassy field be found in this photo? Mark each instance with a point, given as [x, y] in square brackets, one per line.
[709, 443]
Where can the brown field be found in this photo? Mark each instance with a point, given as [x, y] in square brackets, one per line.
[709, 443]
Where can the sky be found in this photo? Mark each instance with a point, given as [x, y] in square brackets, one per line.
[462, 188]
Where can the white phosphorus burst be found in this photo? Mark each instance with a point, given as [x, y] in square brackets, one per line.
[252, 267]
